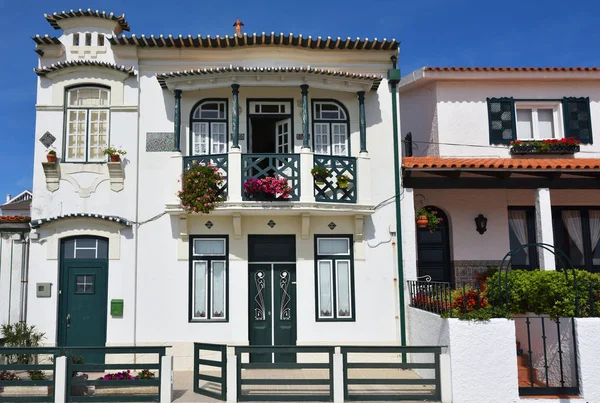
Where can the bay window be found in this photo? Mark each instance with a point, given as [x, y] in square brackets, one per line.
[334, 278]
[209, 127]
[87, 123]
[208, 274]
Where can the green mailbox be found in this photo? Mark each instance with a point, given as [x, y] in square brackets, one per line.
[116, 307]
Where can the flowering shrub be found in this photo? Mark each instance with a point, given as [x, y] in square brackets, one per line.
[430, 303]
[119, 376]
[200, 188]
[146, 374]
[469, 301]
[270, 185]
[544, 145]
[8, 376]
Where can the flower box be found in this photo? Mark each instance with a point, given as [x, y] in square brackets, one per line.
[269, 188]
[562, 146]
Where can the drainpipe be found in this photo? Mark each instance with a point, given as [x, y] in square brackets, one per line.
[394, 79]
[24, 277]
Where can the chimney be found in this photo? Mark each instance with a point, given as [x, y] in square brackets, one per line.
[8, 197]
[238, 27]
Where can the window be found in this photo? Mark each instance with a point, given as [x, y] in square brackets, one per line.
[75, 39]
[538, 121]
[511, 119]
[100, 39]
[88, 39]
[330, 128]
[84, 284]
[85, 248]
[208, 268]
[209, 127]
[334, 278]
[577, 234]
[521, 231]
[87, 125]
[270, 108]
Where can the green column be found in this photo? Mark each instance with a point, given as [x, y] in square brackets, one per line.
[177, 120]
[363, 122]
[304, 88]
[235, 90]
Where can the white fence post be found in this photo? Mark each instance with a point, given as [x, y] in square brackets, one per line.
[446, 378]
[232, 375]
[166, 379]
[60, 380]
[338, 376]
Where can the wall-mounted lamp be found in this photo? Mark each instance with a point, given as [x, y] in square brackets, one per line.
[481, 223]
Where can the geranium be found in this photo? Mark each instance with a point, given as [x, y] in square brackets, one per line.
[545, 145]
[469, 301]
[270, 185]
[200, 188]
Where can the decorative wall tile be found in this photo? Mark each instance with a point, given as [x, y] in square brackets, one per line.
[466, 271]
[160, 141]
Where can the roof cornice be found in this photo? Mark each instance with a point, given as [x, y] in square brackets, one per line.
[43, 71]
[55, 18]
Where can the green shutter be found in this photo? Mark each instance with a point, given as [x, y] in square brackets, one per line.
[578, 124]
[501, 114]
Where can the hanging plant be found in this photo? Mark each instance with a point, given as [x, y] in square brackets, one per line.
[320, 174]
[426, 218]
[342, 181]
[200, 187]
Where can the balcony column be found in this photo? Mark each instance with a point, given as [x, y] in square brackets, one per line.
[177, 121]
[305, 140]
[363, 122]
[543, 227]
[235, 90]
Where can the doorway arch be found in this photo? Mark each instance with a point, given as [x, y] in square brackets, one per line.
[433, 249]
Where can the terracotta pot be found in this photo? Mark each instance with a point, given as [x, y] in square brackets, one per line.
[422, 221]
[51, 157]
[115, 158]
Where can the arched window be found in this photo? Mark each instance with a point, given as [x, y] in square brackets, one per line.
[87, 124]
[209, 127]
[330, 128]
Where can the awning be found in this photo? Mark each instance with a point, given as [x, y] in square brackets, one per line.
[500, 173]
[38, 222]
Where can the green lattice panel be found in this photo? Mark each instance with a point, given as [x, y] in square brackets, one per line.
[262, 165]
[330, 190]
[218, 160]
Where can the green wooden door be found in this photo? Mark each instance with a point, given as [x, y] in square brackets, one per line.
[272, 315]
[83, 301]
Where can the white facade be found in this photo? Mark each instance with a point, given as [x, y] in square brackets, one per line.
[148, 251]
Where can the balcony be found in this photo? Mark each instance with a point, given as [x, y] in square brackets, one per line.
[237, 169]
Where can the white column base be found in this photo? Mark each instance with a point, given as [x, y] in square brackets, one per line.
[60, 380]
[446, 378]
[338, 377]
[364, 179]
[231, 377]
[543, 227]
[307, 192]
[166, 379]
[234, 175]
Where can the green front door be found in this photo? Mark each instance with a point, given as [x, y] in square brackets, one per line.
[83, 295]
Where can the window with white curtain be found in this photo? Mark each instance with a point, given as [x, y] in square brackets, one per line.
[209, 279]
[334, 278]
[577, 234]
[521, 231]
[87, 124]
[331, 128]
[538, 121]
[209, 128]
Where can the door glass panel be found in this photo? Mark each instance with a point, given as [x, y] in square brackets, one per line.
[259, 297]
[218, 138]
[343, 288]
[85, 248]
[209, 247]
[322, 138]
[200, 133]
[595, 236]
[84, 284]
[325, 290]
[574, 234]
[333, 246]
[286, 300]
[518, 236]
[218, 290]
[200, 274]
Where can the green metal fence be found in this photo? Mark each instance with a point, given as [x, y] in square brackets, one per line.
[220, 161]
[259, 166]
[221, 365]
[23, 361]
[398, 388]
[277, 378]
[86, 390]
[335, 188]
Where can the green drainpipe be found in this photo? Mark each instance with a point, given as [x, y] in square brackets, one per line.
[394, 79]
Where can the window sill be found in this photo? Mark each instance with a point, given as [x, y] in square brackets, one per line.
[102, 171]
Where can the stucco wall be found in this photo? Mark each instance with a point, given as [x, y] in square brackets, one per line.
[588, 357]
[418, 109]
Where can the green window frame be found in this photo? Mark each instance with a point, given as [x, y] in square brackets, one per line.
[334, 278]
[331, 128]
[522, 231]
[209, 278]
[583, 230]
[209, 129]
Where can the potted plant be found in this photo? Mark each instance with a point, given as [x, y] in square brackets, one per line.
[342, 181]
[200, 188]
[114, 153]
[427, 218]
[108, 389]
[51, 155]
[320, 174]
[268, 188]
[549, 146]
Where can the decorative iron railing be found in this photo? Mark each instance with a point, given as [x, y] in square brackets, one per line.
[218, 160]
[336, 188]
[259, 166]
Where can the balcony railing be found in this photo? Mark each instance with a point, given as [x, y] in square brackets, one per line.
[335, 189]
[259, 166]
[219, 160]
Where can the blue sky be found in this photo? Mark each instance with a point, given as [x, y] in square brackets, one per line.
[434, 32]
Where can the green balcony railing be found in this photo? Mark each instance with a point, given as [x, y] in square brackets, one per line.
[334, 188]
[259, 166]
[219, 160]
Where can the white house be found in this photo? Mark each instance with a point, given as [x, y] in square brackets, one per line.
[121, 263]
[461, 164]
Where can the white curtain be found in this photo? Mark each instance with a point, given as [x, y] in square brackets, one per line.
[517, 221]
[594, 228]
[572, 220]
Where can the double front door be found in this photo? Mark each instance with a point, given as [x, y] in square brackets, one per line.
[272, 295]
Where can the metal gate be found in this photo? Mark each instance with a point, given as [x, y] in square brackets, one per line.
[213, 382]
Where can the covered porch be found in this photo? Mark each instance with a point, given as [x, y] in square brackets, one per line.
[489, 207]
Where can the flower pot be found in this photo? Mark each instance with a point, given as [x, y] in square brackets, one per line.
[422, 221]
[262, 196]
[115, 158]
[319, 182]
[343, 185]
[51, 157]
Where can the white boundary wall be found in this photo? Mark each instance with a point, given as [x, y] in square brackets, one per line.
[588, 357]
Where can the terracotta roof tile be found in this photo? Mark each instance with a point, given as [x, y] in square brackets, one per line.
[513, 69]
[500, 163]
